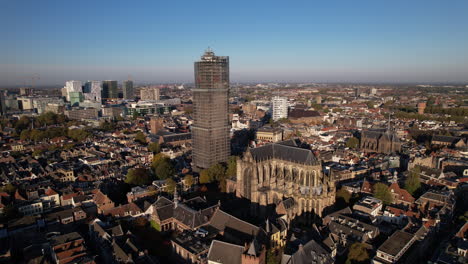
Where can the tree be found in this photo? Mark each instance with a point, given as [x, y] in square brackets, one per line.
[352, 142]
[138, 176]
[382, 192]
[170, 185]
[232, 167]
[370, 104]
[164, 169]
[154, 147]
[140, 137]
[22, 123]
[358, 253]
[155, 225]
[189, 180]
[37, 152]
[157, 159]
[9, 188]
[78, 134]
[217, 172]
[25, 135]
[343, 196]
[413, 182]
[205, 176]
[106, 126]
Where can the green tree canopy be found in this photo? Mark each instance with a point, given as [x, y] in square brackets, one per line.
[382, 192]
[413, 181]
[154, 147]
[170, 185]
[8, 188]
[107, 126]
[78, 134]
[358, 253]
[343, 195]
[232, 167]
[162, 166]
[352, 142]
[164, 169]
[138, 176]
[217, 172]
[23, 123]
[205, 176]
[140, 137]
[189, 180]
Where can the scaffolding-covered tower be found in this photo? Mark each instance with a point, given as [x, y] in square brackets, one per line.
[210, 130]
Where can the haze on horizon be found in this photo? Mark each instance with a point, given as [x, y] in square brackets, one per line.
[296, 41]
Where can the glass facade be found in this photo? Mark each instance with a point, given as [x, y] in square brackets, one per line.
[127, 89]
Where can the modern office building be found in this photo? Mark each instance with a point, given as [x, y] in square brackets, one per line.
[280, 108]
[93, 91]
[127, 89]
[210, 130]
[149, 93]
[72, 86]
[40, 103]
[76, 98]
[109, 90]
[356, 92]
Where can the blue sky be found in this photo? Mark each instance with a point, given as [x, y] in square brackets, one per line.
[157, 41]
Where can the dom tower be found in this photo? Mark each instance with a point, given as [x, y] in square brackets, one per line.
[210, 129]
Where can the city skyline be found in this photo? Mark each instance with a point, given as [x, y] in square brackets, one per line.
[301, 42]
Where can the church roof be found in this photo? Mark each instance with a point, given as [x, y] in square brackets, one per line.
[284, 151]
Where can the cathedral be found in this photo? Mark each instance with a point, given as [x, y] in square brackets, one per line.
[269, 174]
[381, 142]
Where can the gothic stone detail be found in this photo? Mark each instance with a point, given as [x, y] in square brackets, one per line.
[381, 142]
[271, 173]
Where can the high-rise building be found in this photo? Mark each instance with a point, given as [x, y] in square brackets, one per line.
[210, 129]
[109, 90]
[280, 108]
[127, 88]
[72, 86]
[76, 98]
[3, 108]
[93, 91]
[356, 92]
[149, 93]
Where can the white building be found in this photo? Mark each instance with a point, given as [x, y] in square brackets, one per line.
[93, 91]
[72, 86]
[280, 107]
[149, 93]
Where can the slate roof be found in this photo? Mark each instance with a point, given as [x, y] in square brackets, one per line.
[311, 253]
[284, 152]
[65, 238]
[222, 220]
[191, 217]
[226, 253]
